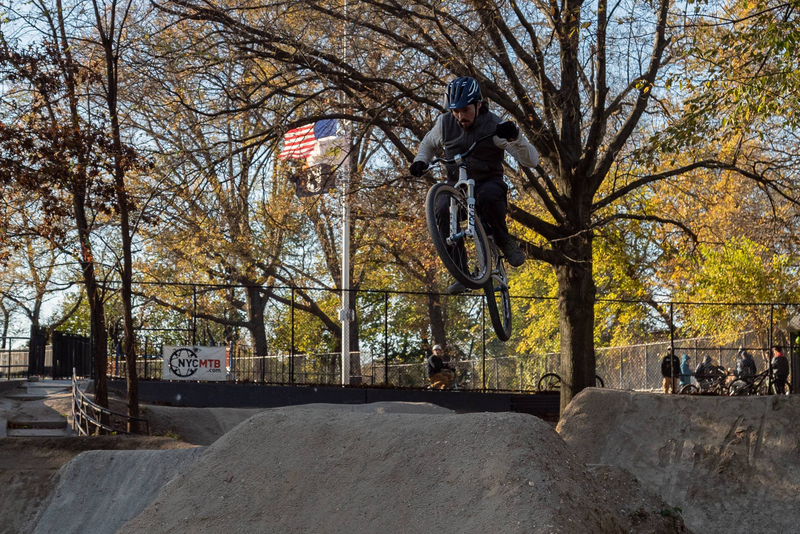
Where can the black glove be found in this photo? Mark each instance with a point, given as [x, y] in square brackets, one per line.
[507, 130]
[418, 168]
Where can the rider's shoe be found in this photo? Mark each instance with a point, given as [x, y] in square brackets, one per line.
[513, 253]
[456, 288]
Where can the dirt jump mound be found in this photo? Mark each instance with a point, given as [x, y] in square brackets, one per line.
[731, 463]
[204, 426]
[99, 491]
[299, 470]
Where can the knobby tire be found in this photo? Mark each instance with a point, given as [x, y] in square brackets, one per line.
[498, 301]
[473, 269]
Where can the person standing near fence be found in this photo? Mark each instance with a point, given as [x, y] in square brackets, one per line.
[746, 366]
[780, 369]
[670, 371]
[704, 372]
[686, 372]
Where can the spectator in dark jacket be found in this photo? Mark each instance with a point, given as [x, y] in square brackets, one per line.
[440, 373]
[686, 371]
[780, 370]
[704, 372]
[670, 371]
[746, 366]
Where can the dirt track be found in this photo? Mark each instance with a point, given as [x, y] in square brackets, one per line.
[355, 470]
[728, 463]
[326, 470]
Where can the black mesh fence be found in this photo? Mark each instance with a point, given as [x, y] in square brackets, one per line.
[14, 356]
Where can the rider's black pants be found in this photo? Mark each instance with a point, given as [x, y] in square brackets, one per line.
[491, 204]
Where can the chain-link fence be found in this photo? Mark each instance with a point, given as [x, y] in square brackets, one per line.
[392, 334]
[638, 367]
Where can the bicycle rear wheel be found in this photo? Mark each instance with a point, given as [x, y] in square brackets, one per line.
[598, 382]
[549, 382]
[739, 387]
[467, 258]
[499, 302]
[763, 388]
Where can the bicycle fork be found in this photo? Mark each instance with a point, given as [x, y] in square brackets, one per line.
[469, 231]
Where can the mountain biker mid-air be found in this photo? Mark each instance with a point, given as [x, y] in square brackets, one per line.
[468, 120]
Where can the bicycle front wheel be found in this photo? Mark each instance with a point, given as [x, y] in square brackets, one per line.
[787, 389]
[549, 382]
[499, 303]
[466, 257]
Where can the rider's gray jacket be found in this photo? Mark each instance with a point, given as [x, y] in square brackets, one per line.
[486, 161]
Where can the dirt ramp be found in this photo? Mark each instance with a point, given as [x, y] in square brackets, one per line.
[98, 491]
[732, 464]
[204, 426]
[30, 471]
[299, 470]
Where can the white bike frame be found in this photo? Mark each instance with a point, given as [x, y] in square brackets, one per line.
[469, 183]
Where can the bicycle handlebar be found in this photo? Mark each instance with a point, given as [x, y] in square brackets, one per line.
[458, 157]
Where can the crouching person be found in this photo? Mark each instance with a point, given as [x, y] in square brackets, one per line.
[440, 373]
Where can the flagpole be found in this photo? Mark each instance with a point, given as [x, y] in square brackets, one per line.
[344, 313]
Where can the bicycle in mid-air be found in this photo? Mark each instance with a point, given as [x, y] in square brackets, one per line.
[465, 245]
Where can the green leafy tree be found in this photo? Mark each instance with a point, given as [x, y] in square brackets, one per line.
[743, 272]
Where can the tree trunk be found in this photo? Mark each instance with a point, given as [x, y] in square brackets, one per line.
[107, 35]
[132, 375]
[96, 312]
[6, 320]
[438, 332]
[99, 341]
[255, 318]
[576, 298]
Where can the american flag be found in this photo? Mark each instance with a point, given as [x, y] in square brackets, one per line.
[299, 143]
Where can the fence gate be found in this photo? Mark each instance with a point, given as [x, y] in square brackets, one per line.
[71, 351]
[36, 352]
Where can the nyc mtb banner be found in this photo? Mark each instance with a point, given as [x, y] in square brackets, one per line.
[194, 363]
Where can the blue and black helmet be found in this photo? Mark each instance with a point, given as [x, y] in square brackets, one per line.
[462, 92]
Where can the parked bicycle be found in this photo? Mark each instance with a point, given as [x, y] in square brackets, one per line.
[713, 382]
[759, 384]
[552, 382]
[465, 244]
